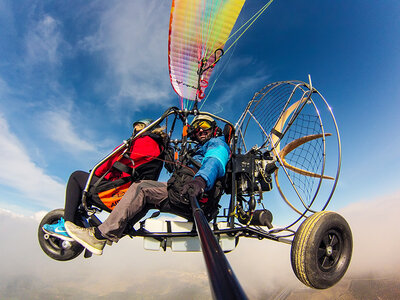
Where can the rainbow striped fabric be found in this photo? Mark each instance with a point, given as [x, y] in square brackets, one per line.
[198, 31]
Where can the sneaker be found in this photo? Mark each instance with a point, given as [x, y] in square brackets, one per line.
[58, 230]
[85, 237]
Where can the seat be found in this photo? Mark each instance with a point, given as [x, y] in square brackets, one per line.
[228, 132]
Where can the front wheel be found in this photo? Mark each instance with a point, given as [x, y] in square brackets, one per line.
[54, 247]
[321, 250]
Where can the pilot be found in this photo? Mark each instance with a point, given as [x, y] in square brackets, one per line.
[210, 155]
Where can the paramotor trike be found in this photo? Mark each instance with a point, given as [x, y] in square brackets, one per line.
[292, 140]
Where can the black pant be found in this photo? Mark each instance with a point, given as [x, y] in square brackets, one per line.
[73, 195]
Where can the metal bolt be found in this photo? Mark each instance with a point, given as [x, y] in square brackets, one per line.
[66, 244]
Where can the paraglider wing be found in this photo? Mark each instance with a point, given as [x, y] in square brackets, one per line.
[198, 31]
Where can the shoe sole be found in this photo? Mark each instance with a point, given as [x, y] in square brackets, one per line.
[60, 236]
[84, 244]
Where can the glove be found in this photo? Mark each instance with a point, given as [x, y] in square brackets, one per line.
[195, 187]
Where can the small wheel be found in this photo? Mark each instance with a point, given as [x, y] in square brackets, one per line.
[54, 247]
[321, 250]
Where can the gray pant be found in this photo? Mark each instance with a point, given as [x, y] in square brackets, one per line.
[133, 202]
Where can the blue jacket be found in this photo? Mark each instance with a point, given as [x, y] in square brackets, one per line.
[213, 156]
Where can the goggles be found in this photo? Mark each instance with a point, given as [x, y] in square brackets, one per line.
[202, 124]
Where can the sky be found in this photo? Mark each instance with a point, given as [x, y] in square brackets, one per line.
[75, 75]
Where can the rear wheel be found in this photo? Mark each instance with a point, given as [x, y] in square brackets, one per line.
[321, 250]
[54, 247]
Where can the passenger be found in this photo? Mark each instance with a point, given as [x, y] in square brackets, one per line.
[143, 152]
[212, 153]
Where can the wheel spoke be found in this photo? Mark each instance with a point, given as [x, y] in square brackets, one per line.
[335, 253]
[333, 240]
[328, 262]
[321, 253]
[325, 262]
[331, 261]
[328, 250]
[326, 240]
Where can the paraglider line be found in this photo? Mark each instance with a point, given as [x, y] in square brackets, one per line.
[252, 20]
[256, 16]
[210, 28]
[215, 81]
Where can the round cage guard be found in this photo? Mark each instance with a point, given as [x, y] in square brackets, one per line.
[293, 123]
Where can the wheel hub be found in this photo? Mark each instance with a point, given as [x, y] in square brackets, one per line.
[66, 244]
[329, 250]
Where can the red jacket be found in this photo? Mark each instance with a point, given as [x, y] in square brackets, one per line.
[143, 150]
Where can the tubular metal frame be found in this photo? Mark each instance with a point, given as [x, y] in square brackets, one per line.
[235, 229]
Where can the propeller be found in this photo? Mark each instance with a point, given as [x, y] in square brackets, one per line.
[292, 117]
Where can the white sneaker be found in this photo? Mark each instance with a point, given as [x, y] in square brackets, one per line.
[86, 237]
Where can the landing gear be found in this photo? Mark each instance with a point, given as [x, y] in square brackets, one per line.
[321, 250]
[54, 247]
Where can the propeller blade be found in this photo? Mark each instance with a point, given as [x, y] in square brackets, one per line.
[282, 195]
[297, 143]
[281, 123]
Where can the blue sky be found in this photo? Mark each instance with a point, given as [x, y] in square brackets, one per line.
[74, 75]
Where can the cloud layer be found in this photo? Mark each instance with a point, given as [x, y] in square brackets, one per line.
[130, 42]
[43, 42]
[58, 126]
[19, 172]
[126, 270]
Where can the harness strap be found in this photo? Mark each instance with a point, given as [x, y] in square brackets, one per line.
[194, 162]
[95, 185]
[123, 168]
[277, 133]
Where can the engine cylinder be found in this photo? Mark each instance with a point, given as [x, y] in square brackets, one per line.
[262, 217]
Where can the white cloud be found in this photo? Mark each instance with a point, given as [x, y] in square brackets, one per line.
[59, 127]
[43, 42]
[134, 38]
[17, 170]
[36, 217]
[262, 267]
[117, 271]
[376, 234]
[229, 97]
[10, 214]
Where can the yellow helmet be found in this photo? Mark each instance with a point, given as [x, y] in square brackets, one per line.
[203, 121]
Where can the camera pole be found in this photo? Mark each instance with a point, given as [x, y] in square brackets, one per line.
[222, 279]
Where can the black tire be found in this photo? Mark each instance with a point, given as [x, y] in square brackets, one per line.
[53, 246]
[321, 250]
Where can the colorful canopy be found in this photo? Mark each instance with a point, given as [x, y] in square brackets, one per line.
[198, 31]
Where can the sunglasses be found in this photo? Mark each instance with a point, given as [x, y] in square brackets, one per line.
[205, 125]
